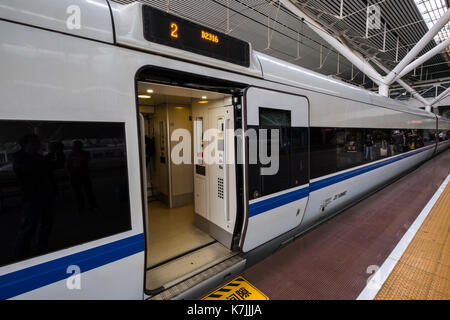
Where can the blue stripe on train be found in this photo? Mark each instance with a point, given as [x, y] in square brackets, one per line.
[275, 202]
[19, 282]
[286, 198]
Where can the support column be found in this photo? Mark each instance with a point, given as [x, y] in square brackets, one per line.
[413, 92]
[418, 47]
[384, 90]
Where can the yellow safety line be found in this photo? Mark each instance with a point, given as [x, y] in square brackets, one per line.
[423, 271]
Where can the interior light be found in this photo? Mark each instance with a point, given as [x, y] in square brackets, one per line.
[204, 97]
[144, 96]
[150, 91]
[179, 108]
[203, 101]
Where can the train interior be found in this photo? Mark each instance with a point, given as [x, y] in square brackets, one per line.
[186, 229]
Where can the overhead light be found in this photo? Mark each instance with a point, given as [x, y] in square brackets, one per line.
[144, 96]
[150, 91]
[203, 101]
[204, 97]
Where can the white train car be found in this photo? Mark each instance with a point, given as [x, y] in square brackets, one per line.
[92, 204]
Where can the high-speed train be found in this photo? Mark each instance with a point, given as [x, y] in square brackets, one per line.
[94, 204]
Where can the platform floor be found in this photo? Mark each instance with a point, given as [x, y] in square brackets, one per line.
[423, 271]
[335, 260]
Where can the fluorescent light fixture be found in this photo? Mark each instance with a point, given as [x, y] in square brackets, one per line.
[150, 91]
[204, 97]
[144, 96]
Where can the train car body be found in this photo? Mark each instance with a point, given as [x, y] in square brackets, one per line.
[71, 71]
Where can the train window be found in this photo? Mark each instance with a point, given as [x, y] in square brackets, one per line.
[338, 149]
[61, 184]
[273, 119]
[293, 156]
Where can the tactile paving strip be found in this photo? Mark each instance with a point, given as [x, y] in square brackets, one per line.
[423, 272]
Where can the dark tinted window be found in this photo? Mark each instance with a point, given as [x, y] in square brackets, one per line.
[338, 149]
[293, 156]
[61, 184]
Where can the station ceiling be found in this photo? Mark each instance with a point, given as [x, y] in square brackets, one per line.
[274, 30]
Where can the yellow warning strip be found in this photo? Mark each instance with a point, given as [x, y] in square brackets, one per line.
[423, 271]
[237, 289]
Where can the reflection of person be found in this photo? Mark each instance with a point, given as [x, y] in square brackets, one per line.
[34, 176]
[398, 141]
[392, 144]
[369, 147]
[77, 165]
[55, 159]
[404, 141]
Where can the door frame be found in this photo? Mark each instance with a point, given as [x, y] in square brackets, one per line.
[160, 75]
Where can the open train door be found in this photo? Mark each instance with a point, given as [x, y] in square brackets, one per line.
[277, 170]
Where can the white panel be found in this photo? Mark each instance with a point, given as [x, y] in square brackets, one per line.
[273, 223]
[329, 111]
[48, 76]
[94, 16]
[200, 196]
[260, 98]
[97, 284]
[221, 177]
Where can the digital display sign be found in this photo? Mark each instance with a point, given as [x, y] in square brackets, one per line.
[164, 28]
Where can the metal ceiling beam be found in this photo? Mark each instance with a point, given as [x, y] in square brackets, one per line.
[440, 97]
[390, 78]
[408, 88]
[353, 56]
[424, 58]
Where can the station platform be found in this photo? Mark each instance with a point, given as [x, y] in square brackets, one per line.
[423, 270]
[337, 259]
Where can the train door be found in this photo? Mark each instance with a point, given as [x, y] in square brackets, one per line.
[278, 168]
[215, 191]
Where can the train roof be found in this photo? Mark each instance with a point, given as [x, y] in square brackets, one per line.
[284, 72]
[97, 24]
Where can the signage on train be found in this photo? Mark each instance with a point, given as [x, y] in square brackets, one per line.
[167, 29]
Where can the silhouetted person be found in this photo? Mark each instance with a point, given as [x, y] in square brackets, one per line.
[34, 176]
[78, 167]
[149, 149]
[56, 159]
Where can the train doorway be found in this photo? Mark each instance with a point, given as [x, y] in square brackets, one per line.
[191, 200]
